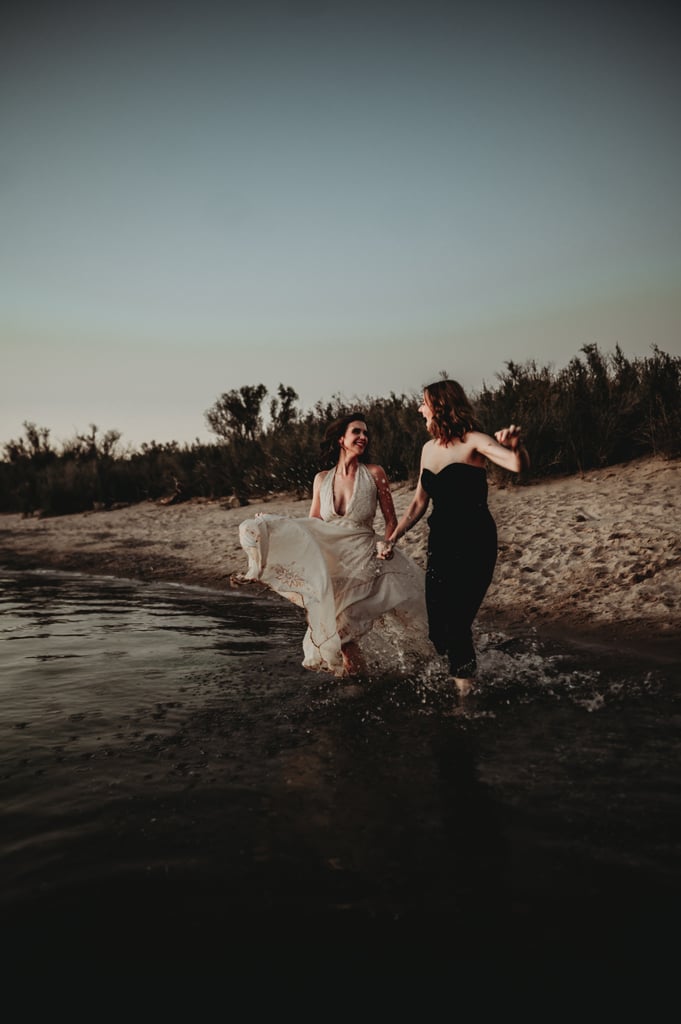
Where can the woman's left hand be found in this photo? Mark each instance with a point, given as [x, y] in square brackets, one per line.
[509, 437]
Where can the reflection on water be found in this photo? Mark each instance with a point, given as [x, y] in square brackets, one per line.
[157, 736]
[75, 645]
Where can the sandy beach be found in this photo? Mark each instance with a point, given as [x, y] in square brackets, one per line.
[595, 554]
[179, 793]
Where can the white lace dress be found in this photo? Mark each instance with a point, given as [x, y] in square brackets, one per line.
[329, 567]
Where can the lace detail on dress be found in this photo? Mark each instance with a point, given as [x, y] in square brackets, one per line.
[292, 579]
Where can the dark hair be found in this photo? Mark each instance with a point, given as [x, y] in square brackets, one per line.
[330, 446]
[453, 415]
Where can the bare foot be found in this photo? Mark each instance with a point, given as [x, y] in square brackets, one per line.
[239, 579]
[352, 659]
[463, 686]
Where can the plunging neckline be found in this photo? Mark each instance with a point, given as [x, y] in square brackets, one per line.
[342, 515]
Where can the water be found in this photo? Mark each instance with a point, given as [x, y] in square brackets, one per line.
[172, 778]
[76, 648]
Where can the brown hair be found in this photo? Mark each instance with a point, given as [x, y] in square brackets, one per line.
[453, 415]
[330, 446]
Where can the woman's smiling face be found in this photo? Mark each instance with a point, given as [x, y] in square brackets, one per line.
[356, 438]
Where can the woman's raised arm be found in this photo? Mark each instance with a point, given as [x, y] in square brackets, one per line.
[506, 448]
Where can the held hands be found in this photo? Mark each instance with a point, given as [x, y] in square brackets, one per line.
[509, 437]
[384, 550]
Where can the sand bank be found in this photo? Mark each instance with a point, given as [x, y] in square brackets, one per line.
[599, 552]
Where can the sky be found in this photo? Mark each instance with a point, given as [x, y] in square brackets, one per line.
[343, 199]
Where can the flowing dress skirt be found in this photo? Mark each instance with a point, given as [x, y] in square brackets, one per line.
[331, 570]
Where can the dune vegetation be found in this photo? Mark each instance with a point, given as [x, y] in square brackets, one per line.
[599, 410]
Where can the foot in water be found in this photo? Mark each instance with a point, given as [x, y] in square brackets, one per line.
[240, 579]
[352, 659]
[463, 686]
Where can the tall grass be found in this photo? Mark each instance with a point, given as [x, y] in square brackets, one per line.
[598, 410]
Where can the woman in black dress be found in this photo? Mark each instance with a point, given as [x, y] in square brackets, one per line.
[462, 543]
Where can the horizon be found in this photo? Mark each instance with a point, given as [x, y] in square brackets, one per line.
[345, 200]
[360, 403]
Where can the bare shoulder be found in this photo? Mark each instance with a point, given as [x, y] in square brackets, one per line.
[320, 477]
[377, 472]
[380, 478]
[427, 452]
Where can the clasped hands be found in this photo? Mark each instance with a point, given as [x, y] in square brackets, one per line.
[384, 550]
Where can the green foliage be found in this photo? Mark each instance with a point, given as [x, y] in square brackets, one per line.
[596, 411]
[236, 414]
[283, 410]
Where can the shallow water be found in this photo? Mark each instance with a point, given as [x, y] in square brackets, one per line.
[168, 765]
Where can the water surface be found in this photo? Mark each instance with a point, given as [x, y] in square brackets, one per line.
[169, 770]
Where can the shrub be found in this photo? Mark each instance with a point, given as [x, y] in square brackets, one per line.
[598, 410]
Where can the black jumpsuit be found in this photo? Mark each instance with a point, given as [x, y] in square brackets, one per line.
[462, 553]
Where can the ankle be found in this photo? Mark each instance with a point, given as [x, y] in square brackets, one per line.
[463, 684]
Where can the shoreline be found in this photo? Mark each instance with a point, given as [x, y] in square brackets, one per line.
[595, 558]
[606, 641]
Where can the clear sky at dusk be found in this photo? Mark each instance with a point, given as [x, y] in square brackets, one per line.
[343, 199]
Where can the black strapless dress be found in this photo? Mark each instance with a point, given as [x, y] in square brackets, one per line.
[462, 553]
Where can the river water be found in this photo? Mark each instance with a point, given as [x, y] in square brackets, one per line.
[175, 785]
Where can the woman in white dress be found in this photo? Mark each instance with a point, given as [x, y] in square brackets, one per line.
[332, 563]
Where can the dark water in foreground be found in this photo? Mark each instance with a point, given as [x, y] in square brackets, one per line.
[176, 789]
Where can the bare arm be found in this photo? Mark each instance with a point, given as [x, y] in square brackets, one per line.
[506, 448]
[315, 507]
[417, 507]
[385, 498]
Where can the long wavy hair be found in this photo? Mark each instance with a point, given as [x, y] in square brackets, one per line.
[330, 447]
[453, 415]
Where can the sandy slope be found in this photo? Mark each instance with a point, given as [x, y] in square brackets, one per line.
[601, 551]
